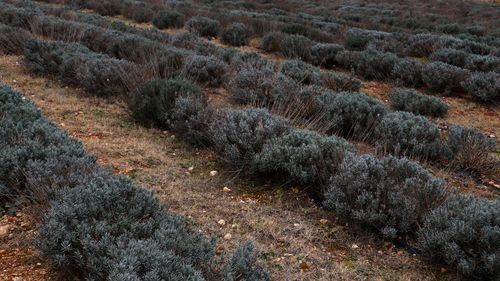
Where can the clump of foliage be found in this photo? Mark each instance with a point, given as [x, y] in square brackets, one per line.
[295, 28]
[323, 54]
[412, 101]
[12, 40]
[376, 65]
[407, 72]
[139, 13]
[302, 156]
[403, 133]
[242, 265]
[351, 114]
[236, 34]
[464, 233]
[340, 82]
[421, 44]
[168, 19]
[470, 150]
[295, 46]
[348, 59]
[390, 195]
[238, 135]
[483, 63]
[442, 77]
[261, 85]
[175, 104]
[203, 26]
[356, 42]
[450, 56]
[208, 70]
[300, 71]
[271, 42]
[484, 87]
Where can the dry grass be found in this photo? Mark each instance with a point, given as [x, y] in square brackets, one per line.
[288, 229]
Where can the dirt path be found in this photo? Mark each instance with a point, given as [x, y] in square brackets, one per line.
[297, 240]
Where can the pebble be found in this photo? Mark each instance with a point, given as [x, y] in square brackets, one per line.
[228, 236]
[323, 221]
[222, 222]
[191, 168]
[213, 173]
[226, 189]
[4, 229]
[354, 246]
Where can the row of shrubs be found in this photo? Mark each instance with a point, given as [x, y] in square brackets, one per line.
[416, 45]
[97, 225]
[394, 196]
[354, 115]
[372, 64]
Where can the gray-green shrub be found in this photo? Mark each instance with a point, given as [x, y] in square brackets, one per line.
[12, 40]
[323, 54]
[208, 70]
[442, 77]
[390, 195]
[464, 233]
[156, 102]
[300, 71]
[376, 65]
[203, 26]
[168, 19]
[450, 56]
[351, 114]
[484, 87]
[348, 59]
[302, 156]
[412, 101]
[403, 133]
[261, 85]
[271, 42]
[470, 150]
[407, 72]
[339, 81]
[238, 135]
[236, 34]
[295, 46]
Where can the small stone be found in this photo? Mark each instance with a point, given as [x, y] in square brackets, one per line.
[191, 168]
[492, 136]
[17, 279]
[354, 246]
[380, 252]
[39, 264]
[226, 189]
[296, 224]
[234, 225]
[228, 236]
[222, 222]
[443, 270]
[4, 229]
[213, 173]
[323, 221]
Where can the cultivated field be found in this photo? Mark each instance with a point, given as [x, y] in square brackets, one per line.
[249, 140]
